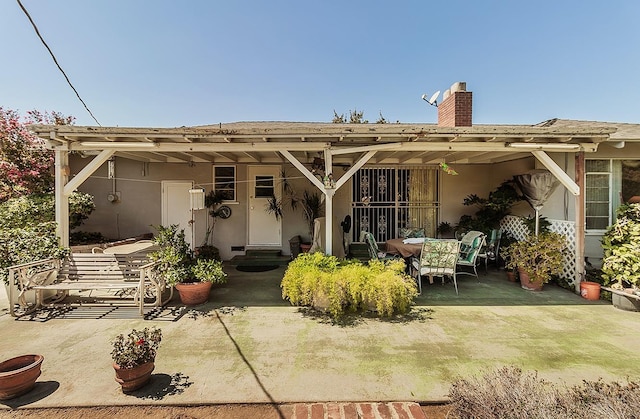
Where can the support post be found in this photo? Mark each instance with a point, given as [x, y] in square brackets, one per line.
[61, 168]
[580, 220]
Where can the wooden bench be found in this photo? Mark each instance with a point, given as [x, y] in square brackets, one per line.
[127, 279]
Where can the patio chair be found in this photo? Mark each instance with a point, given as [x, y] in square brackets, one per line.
[470, 246]
[372, 247]
[492, 249]
[438, 258]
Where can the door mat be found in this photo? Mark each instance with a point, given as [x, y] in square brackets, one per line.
[256, 268]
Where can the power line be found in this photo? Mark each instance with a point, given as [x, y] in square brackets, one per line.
[56, 61]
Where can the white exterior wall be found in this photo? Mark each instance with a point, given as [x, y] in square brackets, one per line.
[479, 179]
[140, 205]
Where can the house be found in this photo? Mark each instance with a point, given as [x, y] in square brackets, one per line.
[385, 176]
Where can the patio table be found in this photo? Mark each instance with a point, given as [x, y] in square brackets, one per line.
[406, 250]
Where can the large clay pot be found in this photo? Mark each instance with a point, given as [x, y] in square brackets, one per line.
[192, 293]
[133, 378]
[624, 302]
[525, 281]
[18, 375]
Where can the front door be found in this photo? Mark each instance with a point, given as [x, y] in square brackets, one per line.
[176, 206]
[264, 184]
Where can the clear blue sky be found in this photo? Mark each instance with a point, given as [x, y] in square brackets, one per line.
[172, 63]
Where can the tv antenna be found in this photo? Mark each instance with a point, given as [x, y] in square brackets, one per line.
[433, 100]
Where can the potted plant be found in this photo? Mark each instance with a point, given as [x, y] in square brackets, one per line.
[621, 258]
[444, 230]
[212, 201]
[506, 241]
[192, 276]
[134, 357]
[537, 258]
[312, 208]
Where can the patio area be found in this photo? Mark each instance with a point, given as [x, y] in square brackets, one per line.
[247, 345]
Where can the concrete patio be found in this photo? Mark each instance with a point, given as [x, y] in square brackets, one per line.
[247, 345]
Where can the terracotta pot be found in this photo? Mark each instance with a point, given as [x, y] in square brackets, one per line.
[590, 290]
[192, 293]
[525, 281]
[133, 378]
[511, 276]
[304, 248]
[18, 375]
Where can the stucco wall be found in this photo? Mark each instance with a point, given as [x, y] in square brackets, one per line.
[140, 205]
[479, 179]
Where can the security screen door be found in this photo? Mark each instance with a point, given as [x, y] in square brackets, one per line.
[386, 199]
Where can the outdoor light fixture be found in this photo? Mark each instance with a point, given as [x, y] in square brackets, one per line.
[545, 146]
[196, 196]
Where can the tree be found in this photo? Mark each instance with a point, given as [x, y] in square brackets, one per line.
[25, 162]
[356, 117]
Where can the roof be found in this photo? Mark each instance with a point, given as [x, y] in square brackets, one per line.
[623, 131]
[261, 142]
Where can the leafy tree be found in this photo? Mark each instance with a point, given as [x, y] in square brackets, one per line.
[27, 226]
[26, 211]
[356, 117]
[25, 162]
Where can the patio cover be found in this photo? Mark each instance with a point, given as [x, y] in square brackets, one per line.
[301, 142]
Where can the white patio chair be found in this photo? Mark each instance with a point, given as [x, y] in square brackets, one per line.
[470, 246]
[437, 258]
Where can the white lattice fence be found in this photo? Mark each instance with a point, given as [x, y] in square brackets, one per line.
[514, 226]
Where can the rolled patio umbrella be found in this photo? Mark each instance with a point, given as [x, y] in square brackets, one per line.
[537, 186]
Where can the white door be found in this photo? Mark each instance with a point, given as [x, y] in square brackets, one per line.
[264, 183]
[176, 206]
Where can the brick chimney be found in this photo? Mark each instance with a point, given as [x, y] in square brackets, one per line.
[455, 108]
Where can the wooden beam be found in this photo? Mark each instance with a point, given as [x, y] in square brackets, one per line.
[87, 171]
[303, 170]
[557, 171]
[363, 160]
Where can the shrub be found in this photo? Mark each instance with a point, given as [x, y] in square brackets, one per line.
[508, 392]
[22, 245]
[348, 285]
[621, 262]
[539, 256]
[25, 211]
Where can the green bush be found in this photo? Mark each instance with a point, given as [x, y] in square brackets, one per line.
[348, 285]
[22, 245]
[621, 262]
[25, 211]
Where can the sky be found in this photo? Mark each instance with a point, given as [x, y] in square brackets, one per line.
[161, 63]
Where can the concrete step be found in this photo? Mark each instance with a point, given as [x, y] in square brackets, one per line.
[390, 410]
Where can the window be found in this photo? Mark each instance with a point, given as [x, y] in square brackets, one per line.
[264, 187]
[597, 194]
[608, 183]
[224, 181]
